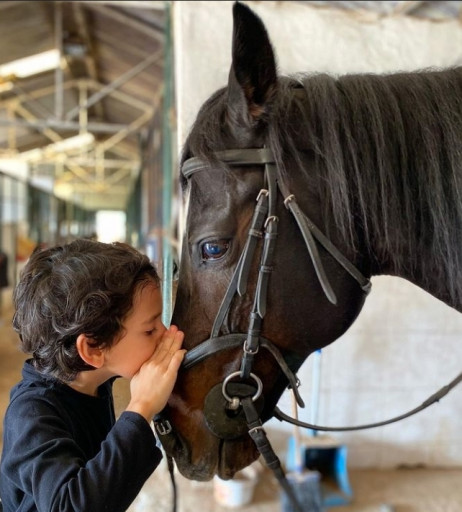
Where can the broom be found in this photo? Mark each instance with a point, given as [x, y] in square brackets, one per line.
[306, 484]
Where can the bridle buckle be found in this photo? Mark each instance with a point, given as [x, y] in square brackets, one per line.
[263, 192]
[163, 427]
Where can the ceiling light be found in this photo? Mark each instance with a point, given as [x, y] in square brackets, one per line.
[32, 65]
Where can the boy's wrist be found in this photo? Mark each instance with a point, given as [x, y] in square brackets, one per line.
[142, 408]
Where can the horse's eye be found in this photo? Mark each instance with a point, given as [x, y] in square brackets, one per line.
[215, 249]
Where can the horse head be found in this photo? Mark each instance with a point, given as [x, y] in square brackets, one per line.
[308, 299]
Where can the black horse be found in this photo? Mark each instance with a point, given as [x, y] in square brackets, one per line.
[371, 164]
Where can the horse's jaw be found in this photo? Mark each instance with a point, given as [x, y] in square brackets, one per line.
[220, 460]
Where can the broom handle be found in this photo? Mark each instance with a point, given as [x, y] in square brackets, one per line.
[297, 438]
[315, 389]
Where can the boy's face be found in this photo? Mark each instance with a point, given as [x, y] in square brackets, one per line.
[143, 330]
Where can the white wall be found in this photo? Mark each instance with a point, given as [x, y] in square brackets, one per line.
[405, 344]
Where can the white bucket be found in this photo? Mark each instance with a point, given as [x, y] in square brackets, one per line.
[238, 491]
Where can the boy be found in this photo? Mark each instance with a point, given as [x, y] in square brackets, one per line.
[87, 312]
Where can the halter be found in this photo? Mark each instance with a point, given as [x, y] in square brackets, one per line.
[245, 397]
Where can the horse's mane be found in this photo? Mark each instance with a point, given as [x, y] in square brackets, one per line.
[388, 152]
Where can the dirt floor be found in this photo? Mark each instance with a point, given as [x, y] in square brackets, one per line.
[400, 490]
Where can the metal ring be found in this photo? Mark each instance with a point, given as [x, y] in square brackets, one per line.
[235, 374]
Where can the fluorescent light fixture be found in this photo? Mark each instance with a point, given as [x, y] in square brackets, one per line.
[32, 65]
[14, 167]
[78, 142]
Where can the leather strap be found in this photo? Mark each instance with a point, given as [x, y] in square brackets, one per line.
[308, 225]
[266, 267]
[313, 251]
[230, 341]
[232, 157]
[241, 272]
[254, 235]
[210, 347]
[271, 232]
[429, 401]
[258, 435]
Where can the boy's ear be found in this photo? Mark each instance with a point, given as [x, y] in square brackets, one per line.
[94, 356]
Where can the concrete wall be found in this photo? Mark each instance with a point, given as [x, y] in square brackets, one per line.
[405, 344]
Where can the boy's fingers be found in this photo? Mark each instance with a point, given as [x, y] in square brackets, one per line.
[178, 339]
[169, 344]
[176, 360]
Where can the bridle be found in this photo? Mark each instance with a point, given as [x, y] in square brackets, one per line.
[242, 391]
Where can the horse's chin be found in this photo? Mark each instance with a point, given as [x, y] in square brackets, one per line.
[225, 461]
[232, 461]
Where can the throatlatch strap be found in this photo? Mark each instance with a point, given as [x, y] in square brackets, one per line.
[312, 251]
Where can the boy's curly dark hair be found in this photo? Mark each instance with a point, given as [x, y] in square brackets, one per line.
[84, 287]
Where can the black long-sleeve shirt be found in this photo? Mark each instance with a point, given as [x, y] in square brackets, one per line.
[63, 450]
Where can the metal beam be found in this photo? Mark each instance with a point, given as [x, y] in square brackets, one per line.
[95, 188]
[107, 89]
[59, 80]
[108, 163]
[90, 58]
[78, 171]
[132, 127]
[23, 96]
[41, 124]
[37, 93]
[122, 96]
[118, 176]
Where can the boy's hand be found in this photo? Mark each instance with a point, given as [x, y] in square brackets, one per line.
[152, 385]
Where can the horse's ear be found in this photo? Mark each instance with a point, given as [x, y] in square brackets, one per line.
[253, 77]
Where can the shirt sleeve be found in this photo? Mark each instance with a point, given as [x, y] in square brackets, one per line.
[45, 460]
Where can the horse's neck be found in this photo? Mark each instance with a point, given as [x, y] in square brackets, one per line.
[429, 282]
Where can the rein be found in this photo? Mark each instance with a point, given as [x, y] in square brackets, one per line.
[242, 397]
